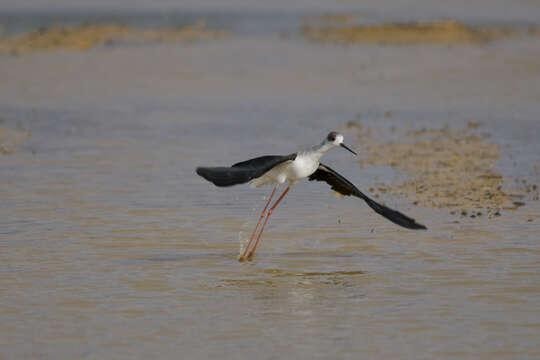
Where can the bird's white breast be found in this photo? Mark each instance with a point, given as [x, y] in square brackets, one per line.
[303, 166]
[300, 168]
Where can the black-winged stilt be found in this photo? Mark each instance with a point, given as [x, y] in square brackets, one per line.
[278, 169]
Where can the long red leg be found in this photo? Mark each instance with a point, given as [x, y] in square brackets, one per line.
[252, 252]
[263, 213]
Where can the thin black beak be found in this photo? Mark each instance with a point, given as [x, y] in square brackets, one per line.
[346, 147]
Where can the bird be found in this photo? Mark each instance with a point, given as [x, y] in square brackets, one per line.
[278, 169]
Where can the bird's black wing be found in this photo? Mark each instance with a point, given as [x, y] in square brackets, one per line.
[242, 172]
[345, 187]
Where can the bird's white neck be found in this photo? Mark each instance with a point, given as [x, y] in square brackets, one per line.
[318, 151]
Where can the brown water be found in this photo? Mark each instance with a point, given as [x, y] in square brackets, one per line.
[112, 247]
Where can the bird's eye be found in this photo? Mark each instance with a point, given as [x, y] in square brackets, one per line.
[331, 136]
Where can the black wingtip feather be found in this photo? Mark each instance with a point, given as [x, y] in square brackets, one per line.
[343, 186]
[394, 216]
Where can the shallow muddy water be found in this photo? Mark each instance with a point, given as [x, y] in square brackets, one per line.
[112, 247]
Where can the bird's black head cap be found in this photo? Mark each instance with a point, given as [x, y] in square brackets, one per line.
[332, 136]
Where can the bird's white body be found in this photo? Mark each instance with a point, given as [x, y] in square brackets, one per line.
[305, 164]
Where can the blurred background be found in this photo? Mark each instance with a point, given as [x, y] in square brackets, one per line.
[112, 247]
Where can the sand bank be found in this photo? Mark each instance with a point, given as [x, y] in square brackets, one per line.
[86, 37]
[337, 30]
[446, 168]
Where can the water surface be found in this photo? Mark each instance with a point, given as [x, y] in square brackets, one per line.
[112, 247]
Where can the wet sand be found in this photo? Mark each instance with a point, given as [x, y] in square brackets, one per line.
[10, 140]
[112, 247]
[437, 161]
[442, 32]
[86, 37]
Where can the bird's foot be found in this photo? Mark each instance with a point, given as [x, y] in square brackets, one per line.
[249, 257]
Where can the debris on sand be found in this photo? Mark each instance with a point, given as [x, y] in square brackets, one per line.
[86, 37]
